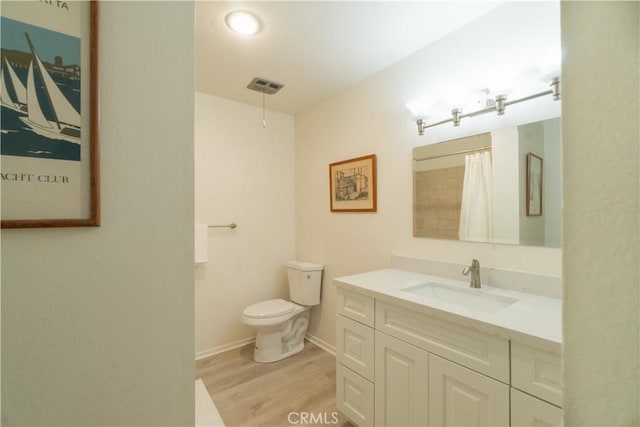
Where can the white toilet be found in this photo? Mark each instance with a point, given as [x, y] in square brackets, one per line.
[281, 324]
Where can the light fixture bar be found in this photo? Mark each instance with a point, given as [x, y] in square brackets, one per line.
[500, 106]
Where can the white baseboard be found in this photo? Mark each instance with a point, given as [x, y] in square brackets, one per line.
[222, 348]
[322, 344]
[237, 344]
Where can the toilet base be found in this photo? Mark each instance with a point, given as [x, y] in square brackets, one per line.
[266, 357]
[272, 346]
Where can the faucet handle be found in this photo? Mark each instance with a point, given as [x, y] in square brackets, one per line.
[475, 267]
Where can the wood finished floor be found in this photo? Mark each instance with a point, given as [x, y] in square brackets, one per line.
[247, 393]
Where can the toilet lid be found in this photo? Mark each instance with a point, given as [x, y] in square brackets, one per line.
[269, 308]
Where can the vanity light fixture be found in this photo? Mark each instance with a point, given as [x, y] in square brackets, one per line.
[555, 88]
[498, 105]
[455, 116]
[243, 22]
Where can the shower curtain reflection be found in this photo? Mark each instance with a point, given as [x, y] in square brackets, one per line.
[476, 223]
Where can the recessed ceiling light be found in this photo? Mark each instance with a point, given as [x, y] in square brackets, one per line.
[243, 22]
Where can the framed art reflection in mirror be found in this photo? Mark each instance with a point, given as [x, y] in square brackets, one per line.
[534, 185]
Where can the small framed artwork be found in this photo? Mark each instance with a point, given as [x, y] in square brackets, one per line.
[49, 117]
[534, 185]
[352, 185]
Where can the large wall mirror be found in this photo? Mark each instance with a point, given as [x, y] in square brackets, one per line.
[502, 186]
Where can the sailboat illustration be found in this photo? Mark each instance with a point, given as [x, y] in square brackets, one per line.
[20, 103]
[66, 121]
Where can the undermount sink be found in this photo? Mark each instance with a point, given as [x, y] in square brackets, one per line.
[470, 299]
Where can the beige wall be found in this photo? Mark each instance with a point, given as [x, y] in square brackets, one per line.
[244, 173]
[552, 183]
[97, 323]
[371, 118]
[601, 231]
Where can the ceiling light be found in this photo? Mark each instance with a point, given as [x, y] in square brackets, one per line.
[243, 22]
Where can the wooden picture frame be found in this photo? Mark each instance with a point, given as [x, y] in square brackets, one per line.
[352, 185]
[49, 146]
[534, 185]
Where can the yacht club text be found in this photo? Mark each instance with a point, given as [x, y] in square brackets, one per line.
[32, 177]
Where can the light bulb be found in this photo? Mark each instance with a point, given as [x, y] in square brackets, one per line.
[243, 22]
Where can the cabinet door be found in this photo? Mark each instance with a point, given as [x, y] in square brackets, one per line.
[354, 346]
[528, 411]
[401, 383]
[354, 396]
[461, 397]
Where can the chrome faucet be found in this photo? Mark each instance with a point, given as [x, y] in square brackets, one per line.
[474, 269]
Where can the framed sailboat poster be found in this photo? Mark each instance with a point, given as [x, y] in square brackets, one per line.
[49, 114]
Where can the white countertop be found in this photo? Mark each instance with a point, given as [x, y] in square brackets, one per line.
[534, 320]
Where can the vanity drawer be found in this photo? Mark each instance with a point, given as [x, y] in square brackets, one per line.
[528, 411]
[536, 372]
[354, 346]
[355, 306]
[488, 354]
[354, 396]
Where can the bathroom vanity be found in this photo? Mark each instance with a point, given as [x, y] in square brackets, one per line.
[419, 350]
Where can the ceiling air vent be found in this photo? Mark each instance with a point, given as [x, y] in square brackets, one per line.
[265, 86]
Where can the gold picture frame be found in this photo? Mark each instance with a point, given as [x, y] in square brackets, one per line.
[534, 185]
[352, 185]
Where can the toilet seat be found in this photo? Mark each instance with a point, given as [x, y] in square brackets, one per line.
[268, 309]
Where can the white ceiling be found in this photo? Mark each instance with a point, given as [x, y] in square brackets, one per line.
[316, 48]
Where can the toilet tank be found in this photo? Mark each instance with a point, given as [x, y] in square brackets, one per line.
[305, 279]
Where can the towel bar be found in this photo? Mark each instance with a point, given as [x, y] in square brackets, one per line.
[232, 226]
